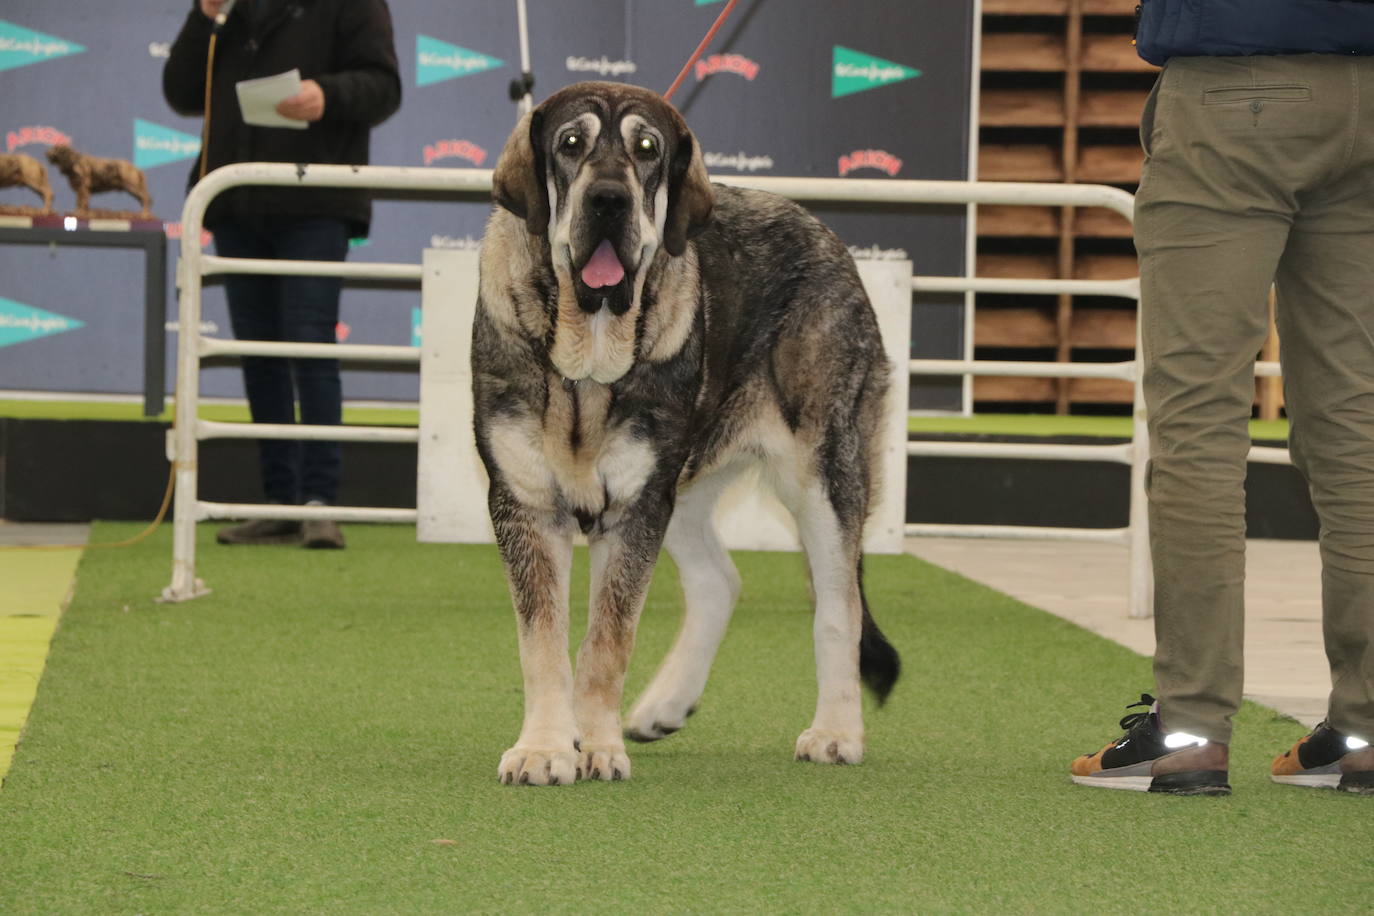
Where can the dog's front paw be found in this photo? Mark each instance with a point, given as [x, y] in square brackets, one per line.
[606, 762]
[538, 767]
[820, 745]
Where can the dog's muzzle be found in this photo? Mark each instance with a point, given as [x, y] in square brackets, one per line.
[603, 280]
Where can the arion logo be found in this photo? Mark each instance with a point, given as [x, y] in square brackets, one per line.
[436, 61]
[158, 145]
[878, 159]
[853, 71]
[20, 323]
[726, 63]
[20, 47]
[454, 149]
[35, 133]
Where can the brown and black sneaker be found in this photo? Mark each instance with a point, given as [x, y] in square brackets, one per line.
[1327, 759]
[1147, 759]
[262, 531]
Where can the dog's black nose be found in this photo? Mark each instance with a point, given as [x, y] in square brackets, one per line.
[608, 199]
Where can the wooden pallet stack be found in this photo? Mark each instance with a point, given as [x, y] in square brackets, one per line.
[1061, 95]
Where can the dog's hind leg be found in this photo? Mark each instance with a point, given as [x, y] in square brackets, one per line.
[832, 543]
[710, 587]
[538, 557]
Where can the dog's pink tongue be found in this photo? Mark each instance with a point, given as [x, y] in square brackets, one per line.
[604, 267]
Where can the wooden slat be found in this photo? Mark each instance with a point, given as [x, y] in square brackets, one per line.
[1112, 53]
[1100, 391]
[1004, 162]
[1110, 164]
[1008, 388]
[1023, 51]
[1017, 266]
[1269, 390]
[1004, 221]
[1013, 327]
[1020, 108]
[1102, 329]
[1105, 7]
[1096, 222]
[1105, 267]
[1111, 108]
[1024, 7]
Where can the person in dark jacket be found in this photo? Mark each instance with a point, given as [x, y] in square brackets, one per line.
[1259, 171]
[345, 52]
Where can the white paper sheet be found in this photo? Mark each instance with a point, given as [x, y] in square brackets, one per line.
[258, 99]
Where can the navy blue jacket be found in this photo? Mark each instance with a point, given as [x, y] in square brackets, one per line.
[1223, 28]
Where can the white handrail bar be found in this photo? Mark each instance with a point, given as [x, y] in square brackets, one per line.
[1120, 453]
[209, 510]
[1126, 289]
[214, 429]
[1027, 369]
[377, 353]
[372, 270]
[1022, 532]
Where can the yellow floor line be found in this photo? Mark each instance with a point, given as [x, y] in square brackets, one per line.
[34, 588]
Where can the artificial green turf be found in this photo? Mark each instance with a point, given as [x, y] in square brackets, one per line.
[299, 740]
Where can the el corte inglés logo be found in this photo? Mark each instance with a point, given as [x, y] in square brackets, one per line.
[437, 60]
[20, 47]
[158, 145]
[853, 71]
[20, 323]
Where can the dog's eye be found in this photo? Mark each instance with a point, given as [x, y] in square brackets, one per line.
[571, 143]
[646, 147]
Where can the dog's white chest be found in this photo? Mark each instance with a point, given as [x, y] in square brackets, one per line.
[572, 456]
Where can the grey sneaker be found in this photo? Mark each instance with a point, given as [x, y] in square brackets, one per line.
[262, 531]
[323, 534]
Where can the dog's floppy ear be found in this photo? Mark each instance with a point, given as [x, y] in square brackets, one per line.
[518, 182]
[689, 196]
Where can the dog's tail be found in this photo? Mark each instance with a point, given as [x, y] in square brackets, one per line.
[879, 663]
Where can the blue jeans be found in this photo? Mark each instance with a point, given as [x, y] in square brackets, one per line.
[296, 309]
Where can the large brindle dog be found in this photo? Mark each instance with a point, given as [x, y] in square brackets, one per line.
[91, 175]
[642, 336]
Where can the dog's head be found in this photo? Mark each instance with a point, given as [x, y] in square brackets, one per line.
[61, 155]
[608, 175]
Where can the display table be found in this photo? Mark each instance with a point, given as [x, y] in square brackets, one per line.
[115, 233]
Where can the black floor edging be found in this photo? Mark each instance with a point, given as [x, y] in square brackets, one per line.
[78, 470]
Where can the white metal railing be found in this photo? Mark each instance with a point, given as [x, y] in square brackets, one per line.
[193, 347]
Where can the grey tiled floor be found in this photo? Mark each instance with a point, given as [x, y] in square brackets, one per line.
[1086, 583]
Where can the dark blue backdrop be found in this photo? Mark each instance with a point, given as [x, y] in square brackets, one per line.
[872, 89]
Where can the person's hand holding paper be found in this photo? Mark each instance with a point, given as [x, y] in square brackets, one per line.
[283, 100]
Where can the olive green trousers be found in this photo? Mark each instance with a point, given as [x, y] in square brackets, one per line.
[1259, 170]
